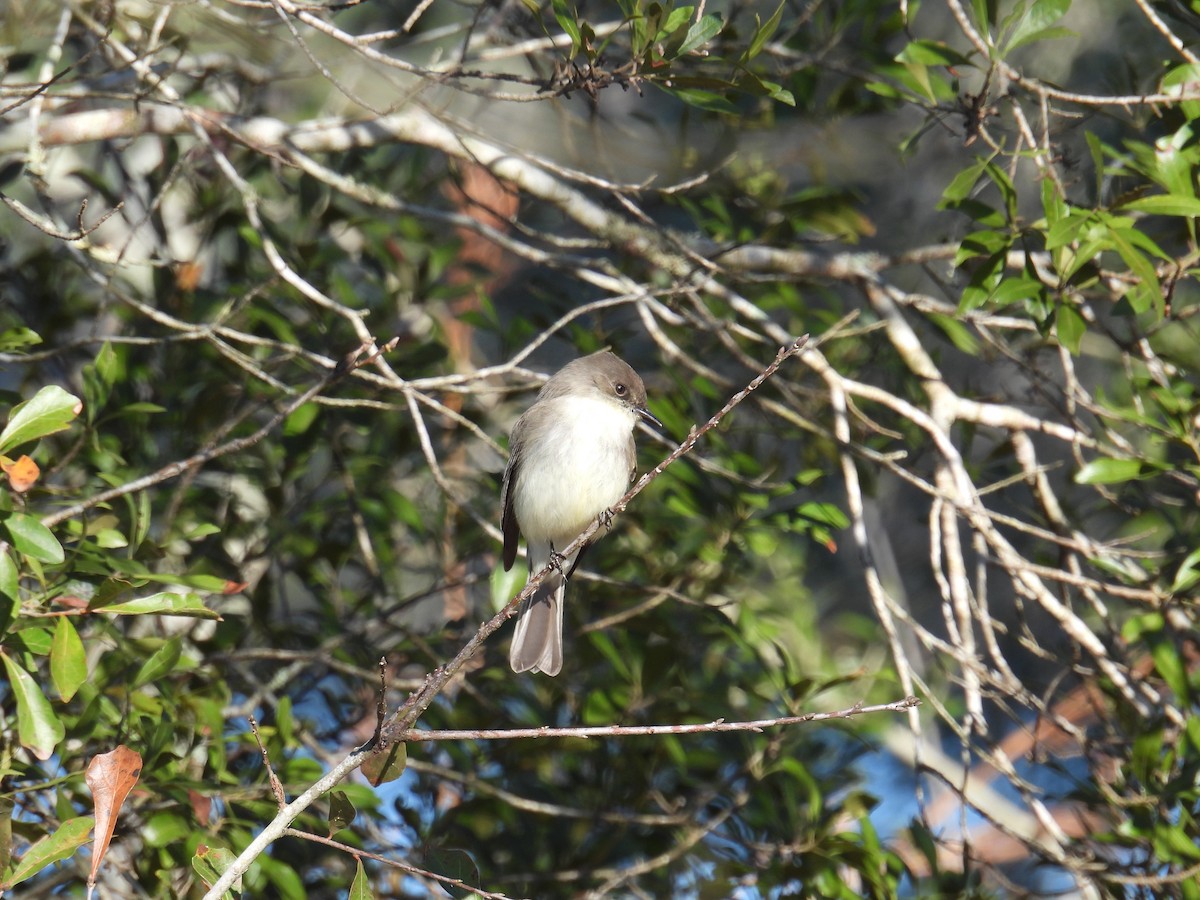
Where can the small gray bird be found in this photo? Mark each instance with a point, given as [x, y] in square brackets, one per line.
[571, 458]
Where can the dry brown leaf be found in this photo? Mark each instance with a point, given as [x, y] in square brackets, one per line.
[201, 806]
[110, 776]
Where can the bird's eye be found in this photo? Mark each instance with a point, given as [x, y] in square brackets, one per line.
[620, 389]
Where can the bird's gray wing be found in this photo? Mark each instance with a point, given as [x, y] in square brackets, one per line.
[508, 514]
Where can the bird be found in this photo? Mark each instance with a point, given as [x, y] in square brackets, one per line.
[571, 457]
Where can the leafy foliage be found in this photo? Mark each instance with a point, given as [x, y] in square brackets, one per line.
[233, 508]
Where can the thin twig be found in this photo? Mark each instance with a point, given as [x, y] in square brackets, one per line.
[716, 727]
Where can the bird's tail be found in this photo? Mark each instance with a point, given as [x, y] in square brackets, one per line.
[537, 643]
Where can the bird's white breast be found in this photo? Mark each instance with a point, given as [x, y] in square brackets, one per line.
[573, 468]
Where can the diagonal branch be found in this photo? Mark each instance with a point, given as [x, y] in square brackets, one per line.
[402, 721]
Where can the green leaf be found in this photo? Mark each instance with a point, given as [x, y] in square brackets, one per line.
[1188, 573]
[825, 513]
[1070, 327]
[1043, 34]
[506, 585]
[67, 838]
[38, 728]
[1033, 23]
[1183, 79]
[10, 587]
[33, 539]
[675, 20]
[166, 603]
[958, 333]
[1147, 292]
[453, 863]
[300, 419]
[962, 185]
[341, 812]
[763, 33]
[700, 34]
[360, 887]
[51, 409]
[161, 662]
[386, 765]
[1171, 668]
[1164, 205]
[931, 53]
[68, 662]
[210, 863]
[1109, 471]
[7, 804]
[164, 829]
[98, 380]
[14, 340]
[566, 21]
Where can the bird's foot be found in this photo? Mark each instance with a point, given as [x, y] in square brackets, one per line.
[556, 562]
[605, 519]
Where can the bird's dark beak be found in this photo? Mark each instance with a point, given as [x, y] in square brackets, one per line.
[647, 417]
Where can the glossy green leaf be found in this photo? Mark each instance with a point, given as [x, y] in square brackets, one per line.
[13, 340]
[49, 410]
[164, 829]
[38, 728]
[160, 663]
[676, 19]
[32, 538]
[1164, 205]
[700, 34]
[162, 604]
[1109, 471]
[62, 844]
[68, 662]
[360, 887]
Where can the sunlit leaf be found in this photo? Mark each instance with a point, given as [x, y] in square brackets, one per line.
[49, 410]
[1109, 471]
[701, 32]
[62, 844]
[68, 662]
[32, 538]
[38, 728]
[166, 603]
[360, 887]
